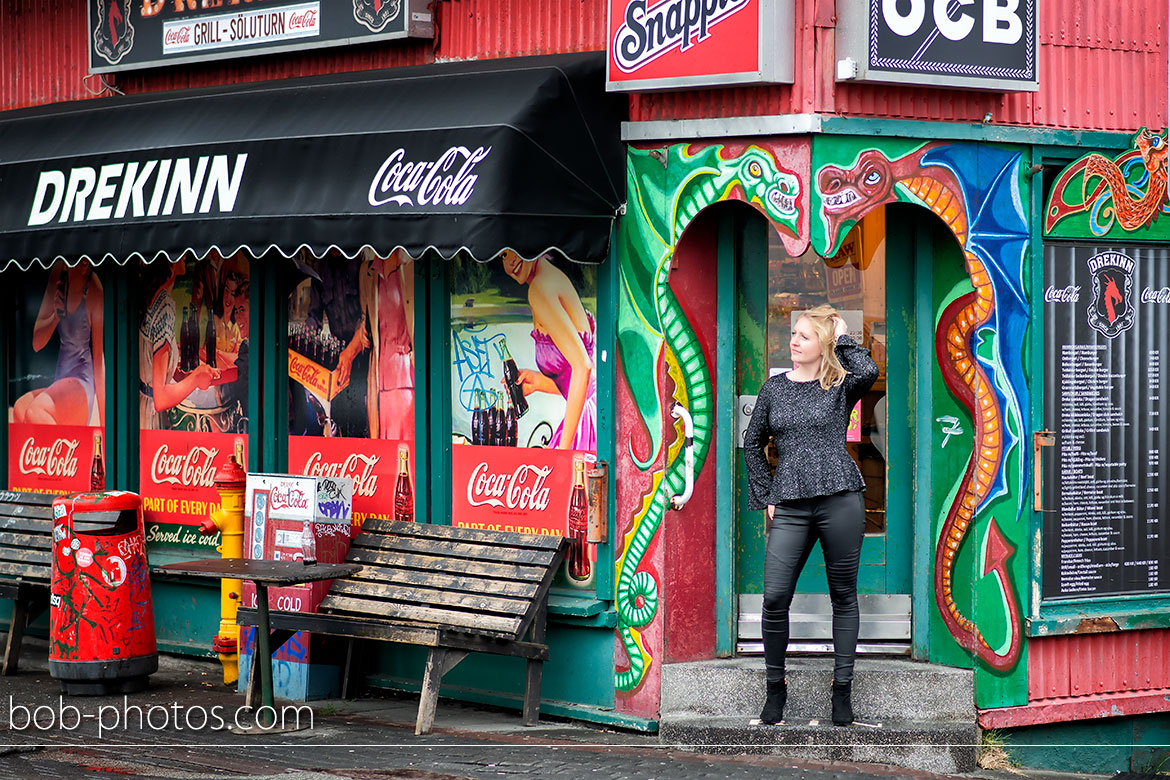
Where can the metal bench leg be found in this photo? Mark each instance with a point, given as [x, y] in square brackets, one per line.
[531, 714]
[20, 613]
[347, 672]
[439, 662]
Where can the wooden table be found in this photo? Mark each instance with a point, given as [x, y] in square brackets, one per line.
[262, 574]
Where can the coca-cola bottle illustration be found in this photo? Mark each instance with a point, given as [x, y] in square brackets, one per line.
[209, 339]
[580, 568]
[477, 419]
[511, 427]
[490, 432]
[403, 491]
[308, 543]
[186, 342]
[500, 430]
[97, 472]
[512, 380]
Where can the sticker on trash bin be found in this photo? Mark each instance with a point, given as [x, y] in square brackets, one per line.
[58, 511]
[84, 557]
[75, 543]
[116, 578]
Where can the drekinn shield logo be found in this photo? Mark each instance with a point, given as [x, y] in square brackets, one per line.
[1111, 304]
[374, 15]
[113, 37]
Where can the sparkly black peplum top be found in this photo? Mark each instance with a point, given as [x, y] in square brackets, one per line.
[808, 425]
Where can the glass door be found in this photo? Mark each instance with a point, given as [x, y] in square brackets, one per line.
[855, 281]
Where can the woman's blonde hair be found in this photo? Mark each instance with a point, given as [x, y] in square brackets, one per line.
[832, 373]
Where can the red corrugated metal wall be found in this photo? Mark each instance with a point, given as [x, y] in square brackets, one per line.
[43, 50]
[44, 57]
[1095, 72]
[1095, 664]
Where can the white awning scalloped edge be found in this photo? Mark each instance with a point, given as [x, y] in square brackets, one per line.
[13, 264]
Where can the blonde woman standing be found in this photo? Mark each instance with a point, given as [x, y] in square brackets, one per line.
[813, 494]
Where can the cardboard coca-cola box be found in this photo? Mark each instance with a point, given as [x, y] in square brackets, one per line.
[276, 507]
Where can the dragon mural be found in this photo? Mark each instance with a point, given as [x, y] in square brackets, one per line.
[667, 188]
[1129, 192]
[974, 189]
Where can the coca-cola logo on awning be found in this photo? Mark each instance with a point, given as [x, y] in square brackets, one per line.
[357, 466]
[58, 459]
[523, 489]
[427, 182]
[195, 468]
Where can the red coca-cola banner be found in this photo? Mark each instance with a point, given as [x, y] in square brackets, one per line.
[373, 464]
[51, 458]
[177, 473]
[505, 489]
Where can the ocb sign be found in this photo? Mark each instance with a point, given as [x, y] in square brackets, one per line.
[988, 44]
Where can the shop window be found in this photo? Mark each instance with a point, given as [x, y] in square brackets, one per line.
[193, 348]
[524, 398]
[854, 282]
[56, 379]
[351, 377]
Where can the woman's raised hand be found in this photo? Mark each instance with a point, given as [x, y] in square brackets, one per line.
[840, 327]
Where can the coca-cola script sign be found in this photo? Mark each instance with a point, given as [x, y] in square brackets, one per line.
[523, 490]
[370, 463]
[50, 458]
[177, 473]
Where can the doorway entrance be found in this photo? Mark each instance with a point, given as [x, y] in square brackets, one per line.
[877, 304]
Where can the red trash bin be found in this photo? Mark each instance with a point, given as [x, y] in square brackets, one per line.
[101, 617]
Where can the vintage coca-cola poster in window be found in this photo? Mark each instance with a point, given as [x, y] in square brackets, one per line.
[524, 397]
[57, 380]
[193, 347]
[351, 377]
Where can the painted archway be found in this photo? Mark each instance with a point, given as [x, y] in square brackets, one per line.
[975, 189]
[667, 187]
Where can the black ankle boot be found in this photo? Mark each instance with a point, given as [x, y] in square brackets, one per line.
[842, 703]
[774, 706]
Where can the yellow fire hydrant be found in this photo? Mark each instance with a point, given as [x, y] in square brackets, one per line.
[230, 481]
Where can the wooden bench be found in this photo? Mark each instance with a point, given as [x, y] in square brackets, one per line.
[26, 557]
[453, 590]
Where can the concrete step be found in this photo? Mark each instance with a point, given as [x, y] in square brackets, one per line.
[883, 689]
[929, 746]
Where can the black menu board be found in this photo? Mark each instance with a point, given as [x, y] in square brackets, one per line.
[1106, 356]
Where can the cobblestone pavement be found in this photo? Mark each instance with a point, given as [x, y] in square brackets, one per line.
[180, 728]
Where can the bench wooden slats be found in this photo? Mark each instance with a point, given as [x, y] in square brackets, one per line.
[491, 569]
[453, 590]
[27, 556]
[26, 498]
[33, 512]
[477, 552]
[421, 614]
[406, 594]
[450, 582]
[25, 571]
[26, 559]
[25, 541]
[535, 541]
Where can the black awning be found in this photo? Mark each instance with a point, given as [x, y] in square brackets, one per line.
[481, 156]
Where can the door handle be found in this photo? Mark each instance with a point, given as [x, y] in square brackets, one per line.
[679, 501]
[1040, 440]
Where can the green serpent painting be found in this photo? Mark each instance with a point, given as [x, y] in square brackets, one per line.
[667, 188]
